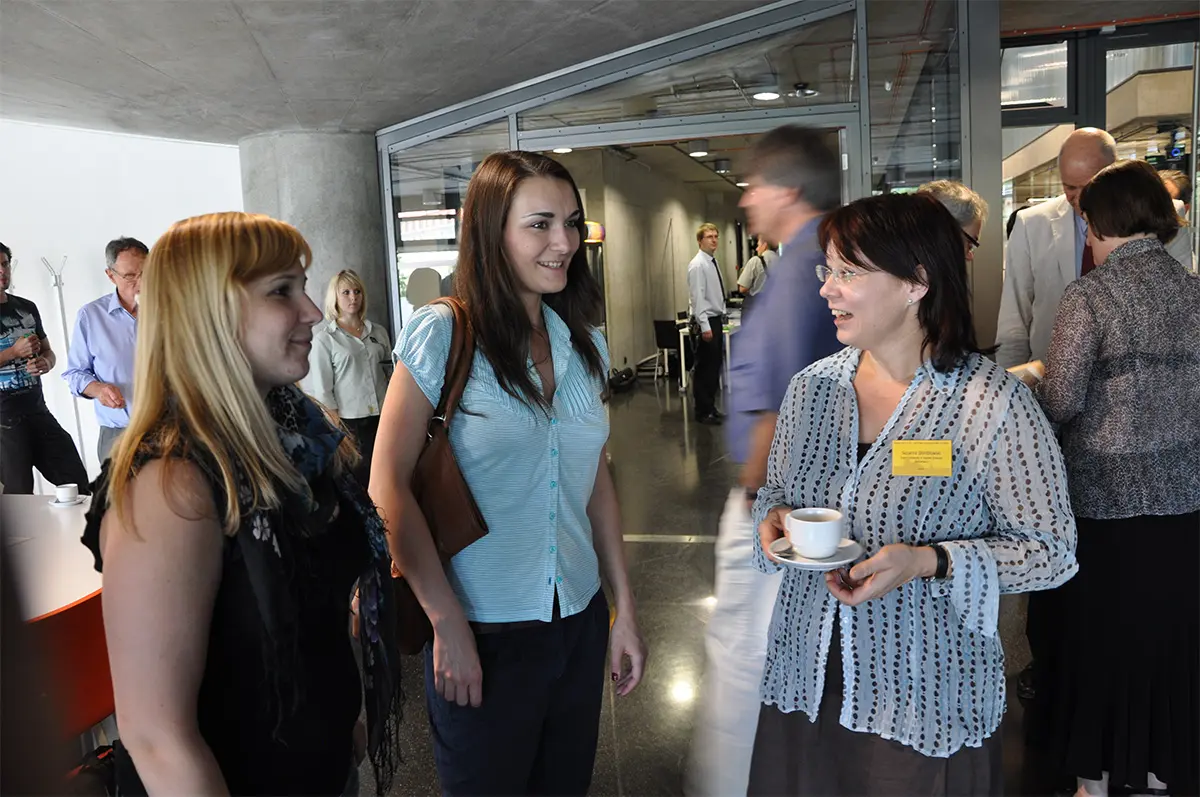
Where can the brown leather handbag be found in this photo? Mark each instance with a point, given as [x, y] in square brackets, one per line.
[450, 510]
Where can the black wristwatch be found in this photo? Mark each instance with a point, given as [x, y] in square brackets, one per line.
[943, 560]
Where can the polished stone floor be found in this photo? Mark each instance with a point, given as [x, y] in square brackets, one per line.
[672, 477]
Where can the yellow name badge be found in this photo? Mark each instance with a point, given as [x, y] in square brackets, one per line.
[922, 458]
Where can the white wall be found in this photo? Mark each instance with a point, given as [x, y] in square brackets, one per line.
[68, 192]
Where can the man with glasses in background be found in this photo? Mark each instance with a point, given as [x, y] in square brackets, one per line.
[100, 362]
[30, 437]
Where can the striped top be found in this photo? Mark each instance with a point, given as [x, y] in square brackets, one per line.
[923, 664]
[531, 473]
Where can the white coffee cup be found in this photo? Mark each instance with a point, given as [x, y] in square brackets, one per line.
[65, 493]
[814, 532]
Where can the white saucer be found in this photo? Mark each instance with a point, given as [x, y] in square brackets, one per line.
[782, 552]
[54, 502]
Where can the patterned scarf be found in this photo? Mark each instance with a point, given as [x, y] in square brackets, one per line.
[311, 442]
[267, 542]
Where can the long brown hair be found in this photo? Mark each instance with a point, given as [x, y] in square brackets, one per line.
[486, 283]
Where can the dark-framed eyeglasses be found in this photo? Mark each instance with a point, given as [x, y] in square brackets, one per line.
[971, 239]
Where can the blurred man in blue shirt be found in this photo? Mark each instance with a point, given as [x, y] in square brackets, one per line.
[795, 178]
[100, 361]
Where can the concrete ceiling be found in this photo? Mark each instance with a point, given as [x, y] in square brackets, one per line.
[219, 70]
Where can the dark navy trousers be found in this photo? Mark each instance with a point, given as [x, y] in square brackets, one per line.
[537, 729]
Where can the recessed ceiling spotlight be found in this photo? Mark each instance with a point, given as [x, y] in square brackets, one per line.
[766, 96]
[698, 148]
[722, 166]
[563, 150]
[742, 184]
[805, 90]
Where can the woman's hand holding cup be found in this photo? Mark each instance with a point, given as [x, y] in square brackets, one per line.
[772, 528]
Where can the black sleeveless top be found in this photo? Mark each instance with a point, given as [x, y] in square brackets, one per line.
[269, 739]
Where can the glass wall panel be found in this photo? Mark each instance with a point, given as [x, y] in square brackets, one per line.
[429, 183]
[915, 94]
[1034, 77]
[806, 66]
[1150, 97]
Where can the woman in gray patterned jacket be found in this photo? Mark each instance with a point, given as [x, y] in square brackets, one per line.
[1123, 379]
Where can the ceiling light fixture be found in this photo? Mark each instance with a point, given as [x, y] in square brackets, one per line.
[563, 150]
[742, 184]
[766, 95]
[722, 166]
[805, 90]
[698, 148]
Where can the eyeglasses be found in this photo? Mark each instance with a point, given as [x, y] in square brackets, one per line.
[972, 240]
[129, 278]
[841, 276]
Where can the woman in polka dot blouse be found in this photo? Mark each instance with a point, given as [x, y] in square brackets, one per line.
[888, 678]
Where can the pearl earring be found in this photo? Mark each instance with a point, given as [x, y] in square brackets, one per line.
[910, 301]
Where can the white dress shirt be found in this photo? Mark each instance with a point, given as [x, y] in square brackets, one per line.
[705, 295]
[347, 374]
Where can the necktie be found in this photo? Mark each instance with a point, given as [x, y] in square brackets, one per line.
[1088, 262]
[720, 281]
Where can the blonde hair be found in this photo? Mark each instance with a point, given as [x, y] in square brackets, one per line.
[195, 390]
[347, 277]
[705, 227]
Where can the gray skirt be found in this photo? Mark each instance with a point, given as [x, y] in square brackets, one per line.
[794, 757]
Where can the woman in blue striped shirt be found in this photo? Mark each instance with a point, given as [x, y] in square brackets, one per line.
[889, 678]
[515, 674]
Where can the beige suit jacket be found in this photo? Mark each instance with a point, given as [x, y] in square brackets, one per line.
[1038, 266]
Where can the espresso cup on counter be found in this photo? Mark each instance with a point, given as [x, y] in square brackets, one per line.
[66, 493]
[814, 532]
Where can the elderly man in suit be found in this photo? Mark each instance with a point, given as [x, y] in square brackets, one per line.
[1048, 250]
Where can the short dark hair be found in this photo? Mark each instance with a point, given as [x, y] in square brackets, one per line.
[1012, 221]
[915, 239]
[1128, 198]
[116, 247]
[799, 158]
[4, 249]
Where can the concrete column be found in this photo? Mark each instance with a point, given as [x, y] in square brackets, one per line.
[327, 185]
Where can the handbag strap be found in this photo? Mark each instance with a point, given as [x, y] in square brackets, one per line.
[458, 362]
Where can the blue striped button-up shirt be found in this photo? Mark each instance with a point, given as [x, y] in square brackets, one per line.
[531, 474]
[102, 347]
[922, 665]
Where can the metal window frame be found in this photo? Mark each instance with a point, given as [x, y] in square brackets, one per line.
[1087, 96]
[746, 27]
[743, 28]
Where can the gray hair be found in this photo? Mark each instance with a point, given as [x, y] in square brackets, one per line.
[966, 206]
[116, 247]
[799, 158]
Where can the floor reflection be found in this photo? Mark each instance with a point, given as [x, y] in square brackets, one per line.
[672, 477]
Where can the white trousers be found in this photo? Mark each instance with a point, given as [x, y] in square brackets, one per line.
[736, 647]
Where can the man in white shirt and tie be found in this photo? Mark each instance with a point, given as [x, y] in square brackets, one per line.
[706, 291]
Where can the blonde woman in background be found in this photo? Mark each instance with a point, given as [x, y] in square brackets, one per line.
[231, 536]
[350, 364]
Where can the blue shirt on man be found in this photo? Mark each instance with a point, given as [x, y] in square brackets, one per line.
[788, 329]
[102, 347]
